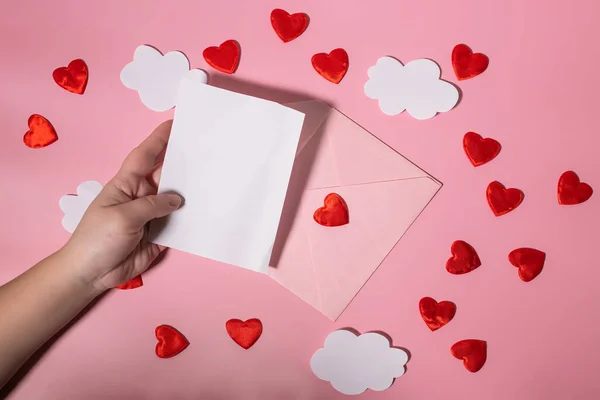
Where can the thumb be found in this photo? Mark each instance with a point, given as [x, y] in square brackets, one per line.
[144, 209]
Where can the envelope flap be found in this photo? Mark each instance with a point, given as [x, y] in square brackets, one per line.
[315, 113]
[359, 157]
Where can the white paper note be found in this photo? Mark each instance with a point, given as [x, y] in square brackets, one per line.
[230, 156]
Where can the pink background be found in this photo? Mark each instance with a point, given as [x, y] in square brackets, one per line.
[539, 98]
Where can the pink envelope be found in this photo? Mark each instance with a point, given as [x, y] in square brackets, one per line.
[385, 193]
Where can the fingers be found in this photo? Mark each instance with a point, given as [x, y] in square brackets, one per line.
[144, 209]
[154, 177]
[143, 158]
[148, 252]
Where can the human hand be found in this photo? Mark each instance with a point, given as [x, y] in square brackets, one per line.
[110, 246]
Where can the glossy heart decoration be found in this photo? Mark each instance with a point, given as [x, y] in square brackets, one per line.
[333, 213]
[170, 341]
[41, 133]
[288, 27]
[224, 58]
[73, 77]
[501, 199]
[529, 261]
[480, 150]
[571, 190]
[332, 66]
[436, 314]
[244, 333]
[473, 352]
[466, 63]
[464, 258]
[133, 283]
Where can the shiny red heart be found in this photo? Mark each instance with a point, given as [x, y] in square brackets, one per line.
[436, 314]
[473, 353]
[464, 258]
[333, 213]
[529, 261]
[571, 190]
[288, 27]
[332, 66]
[224, 58]
[170, 341]
[41, 133]
[501, 199]
[133, 283]
[480, 150]
[73, 77]
[244, 333]
[466, 63]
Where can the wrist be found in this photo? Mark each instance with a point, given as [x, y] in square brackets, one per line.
[75, 269]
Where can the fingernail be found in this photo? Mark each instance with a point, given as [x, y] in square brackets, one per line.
[174, 200]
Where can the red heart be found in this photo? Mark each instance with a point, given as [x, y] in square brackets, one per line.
[529, 261]
[224, 58]
[288, 27]
[571, 190]
[73, 77]
[333, 213]
[464, 258]
[436, 314]
[466, 64]
[501, 199]
[332, 66]
[170, 341]
[473, 352]
[133, 283]
[41, 133]
[244, 333]
[480, 150]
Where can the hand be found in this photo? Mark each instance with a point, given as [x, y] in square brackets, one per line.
[110, 246]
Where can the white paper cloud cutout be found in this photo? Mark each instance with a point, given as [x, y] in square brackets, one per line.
[415, 87]
[74, 206]
[156, 77]
[354, 364]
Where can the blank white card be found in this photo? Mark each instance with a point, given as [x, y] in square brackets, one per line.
[230, 156]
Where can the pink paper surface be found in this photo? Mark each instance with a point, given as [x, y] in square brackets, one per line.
[384, 192]
[538, 98]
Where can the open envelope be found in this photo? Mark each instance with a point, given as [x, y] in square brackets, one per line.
[385, 193]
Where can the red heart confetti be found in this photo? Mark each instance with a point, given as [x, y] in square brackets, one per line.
[133, 283]
[501, 199]
[244, 333]
[436, 314]
[224, 58]
[473, 352]
[466, 63]
[333, 213]
[41, 133]
[464, 258]
[571, 190]
[73, 78]
[480, 150]
[170, 341]
[332, 66]
[529, 261]
[288, 27]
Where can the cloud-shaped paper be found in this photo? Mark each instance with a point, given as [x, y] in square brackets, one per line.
[74, 206]
[415, 87]
[354, 364]
[156, 77]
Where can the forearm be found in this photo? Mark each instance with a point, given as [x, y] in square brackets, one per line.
[36, 305]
